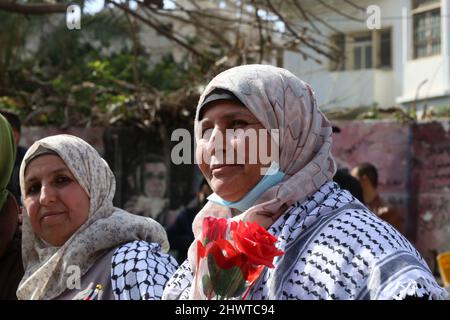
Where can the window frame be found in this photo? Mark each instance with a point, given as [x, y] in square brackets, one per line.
[347, 63]
[427, 10]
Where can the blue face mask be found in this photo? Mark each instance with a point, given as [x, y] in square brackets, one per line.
[271, 178]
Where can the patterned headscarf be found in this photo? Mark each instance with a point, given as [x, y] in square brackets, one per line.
[46, 266]
[279, 100]
[7, 158]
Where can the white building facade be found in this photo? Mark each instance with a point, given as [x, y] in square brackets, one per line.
[405, 62]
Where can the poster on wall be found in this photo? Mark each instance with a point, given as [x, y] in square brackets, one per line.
[148, 183]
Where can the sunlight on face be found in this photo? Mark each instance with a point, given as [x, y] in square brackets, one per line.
[55, 202]
[231, 181]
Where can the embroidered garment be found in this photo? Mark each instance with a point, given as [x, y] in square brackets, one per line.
[107, 227]
[335, 248]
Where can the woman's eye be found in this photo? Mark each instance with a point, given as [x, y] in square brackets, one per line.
[206, 133]
[62, 180]
[33, 189]
[239, 123]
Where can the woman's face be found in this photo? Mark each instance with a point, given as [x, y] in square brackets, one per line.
[56, 203]
[230, 178]
[155, 184]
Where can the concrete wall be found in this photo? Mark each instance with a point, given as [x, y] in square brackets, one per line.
[431, 183]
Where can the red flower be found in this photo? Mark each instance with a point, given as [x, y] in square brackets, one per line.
[225, 255]
[230, 267]
[213, 229]
[255, 242]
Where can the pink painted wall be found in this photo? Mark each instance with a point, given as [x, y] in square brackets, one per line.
[414, 174]
[93, 135]
[431, 177]
[385, 145]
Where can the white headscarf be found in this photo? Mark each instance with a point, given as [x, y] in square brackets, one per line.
[46, 273]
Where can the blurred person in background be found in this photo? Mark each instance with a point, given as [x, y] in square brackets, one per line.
[180, 232]
[11, 269]
[14, 121]
[367, 174]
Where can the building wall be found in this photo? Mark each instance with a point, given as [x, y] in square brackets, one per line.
[434, 69]
[358, 87]
[431, 182]
[386, 89]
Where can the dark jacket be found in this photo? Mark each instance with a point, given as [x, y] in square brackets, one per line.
[346, 181]
[180, 232]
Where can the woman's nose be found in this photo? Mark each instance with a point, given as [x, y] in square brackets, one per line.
[48, 194]
[215, 141]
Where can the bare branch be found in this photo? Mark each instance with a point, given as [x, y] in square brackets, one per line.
[305, 16]
[326, 24]
[33, 8]
[195, 21]
[326, 5]
[296, 35]
[160, 29]
[261, 38]
[354, 5]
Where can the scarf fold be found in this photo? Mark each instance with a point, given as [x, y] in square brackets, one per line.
[46, 267]
[7, 158]
[279, 100]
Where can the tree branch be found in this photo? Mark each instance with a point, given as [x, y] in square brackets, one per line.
[305, 16]
[296, 35]
[354, 5]
[326, 5]
[33, 8]
[158, 29]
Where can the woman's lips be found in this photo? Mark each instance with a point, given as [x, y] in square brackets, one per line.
[51, 216]
[223, 170]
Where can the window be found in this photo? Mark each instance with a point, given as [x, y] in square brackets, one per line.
[427, 28]
[362, 52]
[385, 54]
[338, 63]
[365, 50]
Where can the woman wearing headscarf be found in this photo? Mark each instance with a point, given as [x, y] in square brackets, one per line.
[76, 244]
[11, 269]
[334, 247]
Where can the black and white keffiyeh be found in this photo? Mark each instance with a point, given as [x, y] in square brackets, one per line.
[140, 271]
[335, 248]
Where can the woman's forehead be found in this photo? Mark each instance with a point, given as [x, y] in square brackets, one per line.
[45, 164]
[224, 108]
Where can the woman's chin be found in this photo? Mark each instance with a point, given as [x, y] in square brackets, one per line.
[228, 192]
